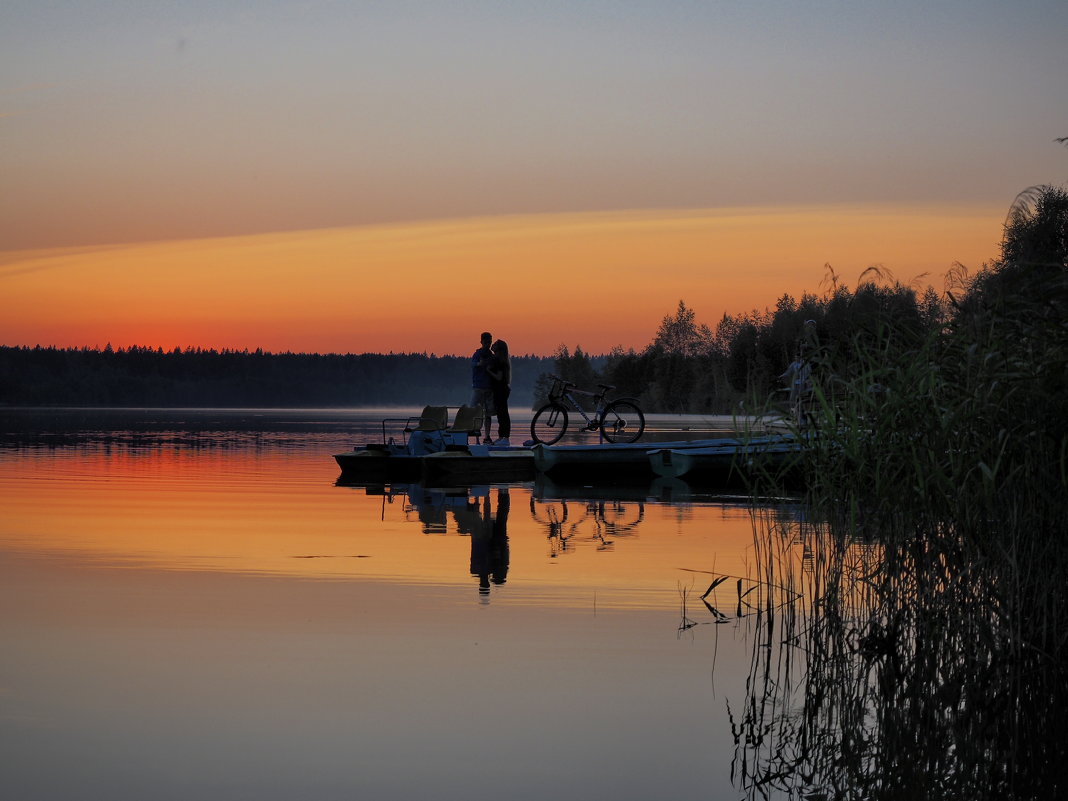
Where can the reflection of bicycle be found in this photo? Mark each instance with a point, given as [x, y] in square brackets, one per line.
[601, 522]
[553, 515]
[618, 421]
[617, 518]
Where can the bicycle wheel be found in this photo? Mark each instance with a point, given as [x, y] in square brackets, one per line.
[549, 424]
[623, 421]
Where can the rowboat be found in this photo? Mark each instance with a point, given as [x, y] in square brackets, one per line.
[726, 462]
[373, 464]
[633, 459]
[609, 459]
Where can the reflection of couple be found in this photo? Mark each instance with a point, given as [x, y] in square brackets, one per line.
[491, 379]
[489, 539]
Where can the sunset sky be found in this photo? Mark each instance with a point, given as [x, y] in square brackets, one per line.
[355, 176]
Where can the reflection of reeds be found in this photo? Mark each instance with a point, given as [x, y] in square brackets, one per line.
[894, 675]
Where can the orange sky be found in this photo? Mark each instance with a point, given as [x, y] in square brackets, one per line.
[592, 279]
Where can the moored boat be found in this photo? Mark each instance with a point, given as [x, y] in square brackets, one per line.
[369, 463]
[427, 449]
[727, 462]
[609, 459]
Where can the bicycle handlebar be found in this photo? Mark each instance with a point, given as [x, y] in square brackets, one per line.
[568, 384]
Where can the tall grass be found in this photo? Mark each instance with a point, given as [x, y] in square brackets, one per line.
[935, 613]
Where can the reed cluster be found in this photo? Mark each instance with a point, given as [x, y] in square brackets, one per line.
[935, 590]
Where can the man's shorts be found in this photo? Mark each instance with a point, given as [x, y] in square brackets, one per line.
[483, 398]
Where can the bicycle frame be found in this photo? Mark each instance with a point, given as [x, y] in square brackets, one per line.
[568, 394]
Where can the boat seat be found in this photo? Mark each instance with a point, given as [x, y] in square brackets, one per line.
[432, 418]
[467, 423]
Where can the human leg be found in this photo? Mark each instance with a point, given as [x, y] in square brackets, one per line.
[504, 418]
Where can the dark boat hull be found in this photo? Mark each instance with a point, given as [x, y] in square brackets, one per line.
[604, 460]
[726, 465]
[477, 464]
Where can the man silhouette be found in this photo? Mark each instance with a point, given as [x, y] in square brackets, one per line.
[481, 382]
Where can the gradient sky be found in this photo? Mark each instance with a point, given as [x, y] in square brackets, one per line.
[347, 176]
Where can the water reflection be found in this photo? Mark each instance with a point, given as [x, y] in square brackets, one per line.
[881, 670]
[840, 668]
[567, 516]
[209, 604]
[597, 522]
[488, 529]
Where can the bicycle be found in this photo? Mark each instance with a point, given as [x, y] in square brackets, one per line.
[618, 420]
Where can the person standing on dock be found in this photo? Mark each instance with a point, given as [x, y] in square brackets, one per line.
[482, 383]
[501, 376]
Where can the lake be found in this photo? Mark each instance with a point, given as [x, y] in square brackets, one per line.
[193, 606]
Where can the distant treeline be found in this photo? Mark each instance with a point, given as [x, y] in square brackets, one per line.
[143, 376]
[687, 368]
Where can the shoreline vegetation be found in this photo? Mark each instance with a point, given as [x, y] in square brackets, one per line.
[929, 610]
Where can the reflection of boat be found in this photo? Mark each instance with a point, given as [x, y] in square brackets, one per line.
[725, 458]
[431, 505]
[726, 463]
[428, 448]
[557, 488]
[657, 490]
[606, 459]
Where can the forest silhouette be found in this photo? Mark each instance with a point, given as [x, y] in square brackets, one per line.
[688, 367]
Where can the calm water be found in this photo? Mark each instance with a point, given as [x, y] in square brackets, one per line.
[192, 606]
